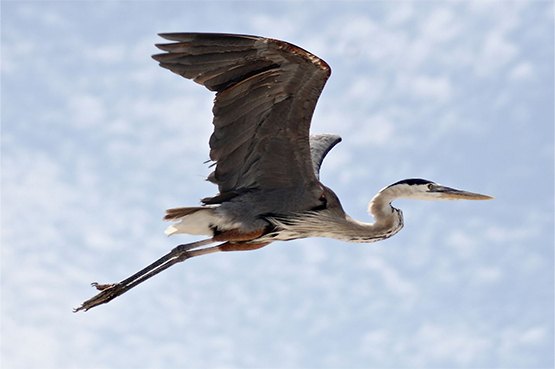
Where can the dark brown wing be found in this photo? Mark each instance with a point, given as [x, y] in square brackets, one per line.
[266, 95]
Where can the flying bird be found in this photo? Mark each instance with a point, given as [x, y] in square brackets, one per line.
[266, 163]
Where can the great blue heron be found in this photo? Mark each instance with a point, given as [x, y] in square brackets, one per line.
[267, 164]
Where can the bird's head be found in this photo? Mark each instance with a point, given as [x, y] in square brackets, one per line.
[422, 189]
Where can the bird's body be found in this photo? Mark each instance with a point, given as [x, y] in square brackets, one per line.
[328, 219]
[267, 165]
[266, 162]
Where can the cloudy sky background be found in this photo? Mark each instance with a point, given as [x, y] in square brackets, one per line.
[97, 141]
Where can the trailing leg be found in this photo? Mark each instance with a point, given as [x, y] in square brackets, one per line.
[176, 255]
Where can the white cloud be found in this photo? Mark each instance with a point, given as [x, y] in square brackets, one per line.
[422, 87]
[48, 17]
[523, 71]
[315, 254]
[488, 275]
[404, 12]
[376, 130]
[107, 54]
[371, 90]
[511, 234]
[376, 345]
[436, 343]
[359, 28]
[393, 281]
[87, 111]
[353, 41]
[534, 336]
[17, 50]
[514, 339]
[463, 242]
[32, 180]
[275, 27]
[441, 26]
[496, 52]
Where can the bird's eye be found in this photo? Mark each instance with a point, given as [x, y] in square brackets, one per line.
[430, 186]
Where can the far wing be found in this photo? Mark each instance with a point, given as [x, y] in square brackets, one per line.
[266, 94]
[320, 145]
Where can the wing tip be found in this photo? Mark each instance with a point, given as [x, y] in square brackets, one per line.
[192, 37]
[307, 55]
[177, 36]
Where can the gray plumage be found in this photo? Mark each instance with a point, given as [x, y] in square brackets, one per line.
[320, 145]
[267, 166]
[266, 92]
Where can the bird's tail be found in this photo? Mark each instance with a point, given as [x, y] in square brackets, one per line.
[197, 220]
[177, 213]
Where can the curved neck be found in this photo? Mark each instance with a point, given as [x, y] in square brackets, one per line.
[388, 221]
[333, 222]
[387, 224]
[380, 207]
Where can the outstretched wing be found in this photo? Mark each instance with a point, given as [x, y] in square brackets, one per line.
[266, 94]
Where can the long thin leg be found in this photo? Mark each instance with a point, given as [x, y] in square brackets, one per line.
[175, 252]
[176, 255]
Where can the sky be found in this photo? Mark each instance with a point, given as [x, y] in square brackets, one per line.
[97, 141]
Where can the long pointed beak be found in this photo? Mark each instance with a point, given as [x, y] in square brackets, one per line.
[448, 193]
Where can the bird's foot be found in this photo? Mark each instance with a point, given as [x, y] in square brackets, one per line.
[107, 293]
[102, 287]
